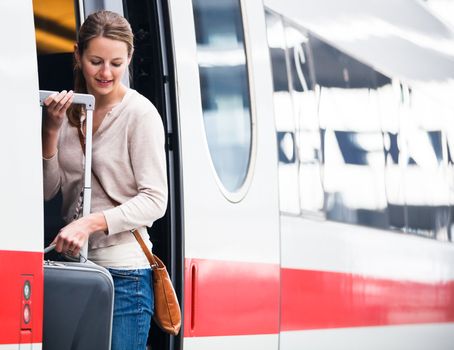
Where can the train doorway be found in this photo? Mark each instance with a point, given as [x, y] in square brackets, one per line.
[150, 74]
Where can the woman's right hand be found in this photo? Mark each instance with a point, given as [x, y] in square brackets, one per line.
[56, 106]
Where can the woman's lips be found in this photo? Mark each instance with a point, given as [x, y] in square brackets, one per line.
[103, 83]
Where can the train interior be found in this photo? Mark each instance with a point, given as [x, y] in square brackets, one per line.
[56, 34]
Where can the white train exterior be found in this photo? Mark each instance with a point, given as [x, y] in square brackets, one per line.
[310, 164]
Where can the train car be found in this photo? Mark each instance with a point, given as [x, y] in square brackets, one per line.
[21, 238]
[310, 165]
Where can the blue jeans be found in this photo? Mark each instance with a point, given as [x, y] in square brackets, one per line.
[133, 308]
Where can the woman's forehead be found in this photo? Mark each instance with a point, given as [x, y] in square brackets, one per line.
[106, 47]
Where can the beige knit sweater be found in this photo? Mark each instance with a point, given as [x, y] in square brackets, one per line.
[129, 159]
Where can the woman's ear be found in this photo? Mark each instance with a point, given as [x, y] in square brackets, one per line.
[130, 56]
[77, 55]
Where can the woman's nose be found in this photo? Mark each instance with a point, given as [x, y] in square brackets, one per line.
[106, 69]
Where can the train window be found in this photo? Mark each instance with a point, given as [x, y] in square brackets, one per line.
[390, 104]
[305, 103]
[353, 156]
[284, 117]
[354, 145]
[224, 90]
[427, 189]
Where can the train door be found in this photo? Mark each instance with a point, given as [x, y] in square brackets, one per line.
[56, 27]
[151, 74]
[21, 210]
[229, 160]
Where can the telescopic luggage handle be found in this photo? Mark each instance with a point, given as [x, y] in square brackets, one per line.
[89, 102]
[82, 99]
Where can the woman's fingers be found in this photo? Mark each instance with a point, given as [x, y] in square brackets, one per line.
[74, 252]
[74, 247]
[54, 99]
[71, 238]
[58, 244]
[59, 101]
[56, 107]
[69, 100]
[48, 101]
[67, 245]
[64, 102]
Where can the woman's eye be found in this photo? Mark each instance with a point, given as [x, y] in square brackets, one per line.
[116, 64]
[95, 63]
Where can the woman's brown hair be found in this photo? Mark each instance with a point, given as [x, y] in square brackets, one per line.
[105, 24]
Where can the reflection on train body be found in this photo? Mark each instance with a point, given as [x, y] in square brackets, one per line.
[360, 147]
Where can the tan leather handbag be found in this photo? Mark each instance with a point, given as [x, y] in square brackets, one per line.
[167, 313]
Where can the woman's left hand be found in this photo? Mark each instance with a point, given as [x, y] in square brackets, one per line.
[73, 236]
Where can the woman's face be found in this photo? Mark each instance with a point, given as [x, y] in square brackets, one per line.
[104, 62]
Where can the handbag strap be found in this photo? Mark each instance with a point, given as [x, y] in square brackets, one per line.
[153, 263]
[148, 254]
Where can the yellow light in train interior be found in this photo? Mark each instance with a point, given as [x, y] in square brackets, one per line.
[55, 25]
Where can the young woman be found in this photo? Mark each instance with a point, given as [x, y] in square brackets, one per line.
[129, 167]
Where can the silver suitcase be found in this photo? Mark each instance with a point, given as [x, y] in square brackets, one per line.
[78, 306]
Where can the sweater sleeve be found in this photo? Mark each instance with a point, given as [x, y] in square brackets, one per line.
[148, 161]
[52, 178]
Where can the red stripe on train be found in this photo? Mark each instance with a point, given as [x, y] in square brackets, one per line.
[230, 298]
[316, 299]
[15, 268]
[233, 298]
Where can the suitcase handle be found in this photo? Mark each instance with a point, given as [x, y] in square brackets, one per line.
[89, 102]
[49, 248]
[82, 99]
[67, 257]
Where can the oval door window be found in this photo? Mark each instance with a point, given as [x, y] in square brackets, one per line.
[224, 89]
